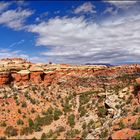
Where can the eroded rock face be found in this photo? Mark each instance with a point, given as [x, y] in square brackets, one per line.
[23, 71]
[17, 77]
[48, 78]
[4, 78]
[53, 84]
[36, 77]
[125, 133]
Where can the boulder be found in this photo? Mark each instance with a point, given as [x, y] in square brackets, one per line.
[111, 101]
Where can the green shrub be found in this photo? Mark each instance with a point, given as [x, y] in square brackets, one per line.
[84, 134]
[48, 119]
[24, 104]
[32, 110]
[91, 124]
[38, 122]
[72, 133]
[15, 97]
[33, 101]
[137, 110]
[137, 136]
[104, 133]
[82, 111]
[48, 116]
[31, 123]
[43, 136]
[10, 131]
[102, 111]
[71, 120]
[49, 134]
[34, 88]
[136, 125]
[121, 125]
[67, 106]
[19, 111]
[84, 98]
[3, 124]
[34, 138]
[26, 131]
[48, 112]
[60, 129]
[20, 122]
[84, 126]
[57, 114]
[17, 102]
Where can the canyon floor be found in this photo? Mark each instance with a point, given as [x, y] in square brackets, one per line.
[61, 101]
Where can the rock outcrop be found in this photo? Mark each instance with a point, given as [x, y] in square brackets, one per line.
[4, 78]
[19, 70]
[90, 102]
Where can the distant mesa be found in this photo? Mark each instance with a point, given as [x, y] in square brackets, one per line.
[14, 60]
[106, 64]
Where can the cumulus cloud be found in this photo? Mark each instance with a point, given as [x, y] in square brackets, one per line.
[110, 10]
[75, 40]
[78, 40]
[87, 7]
[15, 19]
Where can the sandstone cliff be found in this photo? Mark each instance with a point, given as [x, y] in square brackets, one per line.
[68, 101]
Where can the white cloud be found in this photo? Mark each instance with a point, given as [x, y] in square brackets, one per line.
[123, 4]
[75, 40]
[15, 18]
[87, 7]
[4, 5]
[110, 10]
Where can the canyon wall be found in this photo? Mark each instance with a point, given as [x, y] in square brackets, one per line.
[19, 71]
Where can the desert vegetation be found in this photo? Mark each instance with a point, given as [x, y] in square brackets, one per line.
[72, 103]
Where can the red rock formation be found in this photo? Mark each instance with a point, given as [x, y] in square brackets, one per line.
[138, 81]
[4, 78]
[48, 78]
[36, 77]
[21, 71]
[123, 134]
[17, 77]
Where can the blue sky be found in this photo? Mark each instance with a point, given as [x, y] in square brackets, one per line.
[75, 32]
